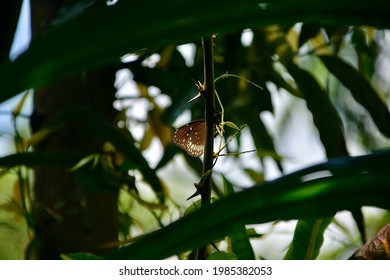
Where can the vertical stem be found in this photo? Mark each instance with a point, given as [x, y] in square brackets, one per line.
[208, 56]
[209, 115]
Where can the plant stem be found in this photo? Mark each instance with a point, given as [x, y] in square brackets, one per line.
[208, 56]
[209, 116]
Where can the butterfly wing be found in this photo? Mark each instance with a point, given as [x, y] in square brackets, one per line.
[190, 137]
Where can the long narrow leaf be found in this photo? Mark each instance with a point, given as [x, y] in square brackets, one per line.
[34, 159]
[276, 200]
[325, 116]
[98, 34]
[239, 240]
[361, 90]
[308, 239]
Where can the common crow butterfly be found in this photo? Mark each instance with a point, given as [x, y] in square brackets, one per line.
[191, 137]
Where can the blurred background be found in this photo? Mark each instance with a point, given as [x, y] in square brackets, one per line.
[152, 89]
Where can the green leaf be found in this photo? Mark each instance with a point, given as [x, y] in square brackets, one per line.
[308, 31]
[362, 91]
[261, 137]
[34, 159]
[325, 116]
[308, 239]
[84, 161]
[193, 207]
[95, 180]
[238, 237]
[99, 34]
[80, 256]
[289, 197]
[91, 179]
[256, 176]
[232, 125]
[222, 256]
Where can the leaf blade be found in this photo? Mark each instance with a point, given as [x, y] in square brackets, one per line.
[325, 116]
[238, 238]
[361, 90]
[82, 49]
[269, 201]
[308, 239]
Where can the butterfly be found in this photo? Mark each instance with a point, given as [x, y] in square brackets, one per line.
[191, 137]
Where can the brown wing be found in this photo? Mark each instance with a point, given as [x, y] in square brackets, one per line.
[190, 137]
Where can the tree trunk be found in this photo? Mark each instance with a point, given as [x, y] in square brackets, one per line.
[68, 219]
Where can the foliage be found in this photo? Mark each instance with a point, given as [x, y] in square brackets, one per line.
[327, 62]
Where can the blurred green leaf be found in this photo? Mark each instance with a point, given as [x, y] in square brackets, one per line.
[359, 40]
[94, 159]
[325, 116]
[256, 176]
[95, 180]
[238, 237]
[289, 197]
[80, 256]
[232, 125]
[222, 256]
[193, 207]
[361, 90]
[261, 137]
[34, 159]
[91, 179]
[91, 34]
[308, 31]
[308, 239]
[128, 27]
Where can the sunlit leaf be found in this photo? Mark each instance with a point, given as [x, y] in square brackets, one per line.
[18, 109]
[85, 161]
[147, 139]
[161, 130]
[232, 125]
